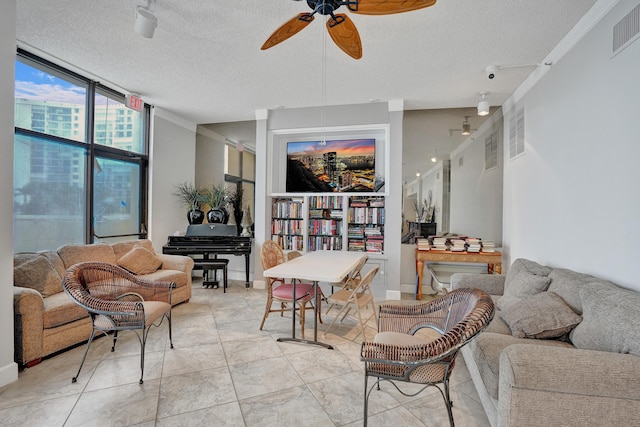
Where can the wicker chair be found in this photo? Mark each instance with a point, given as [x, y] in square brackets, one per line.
[359, 297]
[118, 301]
[419, 343]
[281, 292]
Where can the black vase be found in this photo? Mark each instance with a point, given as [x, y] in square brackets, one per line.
[216, 216]
[195, 216]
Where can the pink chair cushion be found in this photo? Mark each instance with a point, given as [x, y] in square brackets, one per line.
[303, 290]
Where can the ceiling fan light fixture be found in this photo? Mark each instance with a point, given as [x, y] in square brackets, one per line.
[483, 104]
[146, 21]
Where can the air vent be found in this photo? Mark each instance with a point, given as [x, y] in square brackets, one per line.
[491, 150]
[627, 30]
[516, 134]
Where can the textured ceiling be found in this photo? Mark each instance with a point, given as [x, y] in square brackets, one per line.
[205, 64]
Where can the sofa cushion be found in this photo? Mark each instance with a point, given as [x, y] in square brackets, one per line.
[179, 277]
[611, 319]
[73, 254]
[121, 248]
[486, 349]
[60, 309]
[37, 273]
[567, 283]
[544, 315]
[525, 278]
[140, 260]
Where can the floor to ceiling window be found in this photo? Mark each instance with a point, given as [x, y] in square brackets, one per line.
[80, 160]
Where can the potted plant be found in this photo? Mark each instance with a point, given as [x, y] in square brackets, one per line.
[235, 200]
[217, 198]
[192, 197]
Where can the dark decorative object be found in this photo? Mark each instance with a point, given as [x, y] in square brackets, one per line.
[235, 200]
[217, 216]
[195, 216]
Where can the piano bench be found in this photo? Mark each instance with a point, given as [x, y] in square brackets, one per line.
[214, 264]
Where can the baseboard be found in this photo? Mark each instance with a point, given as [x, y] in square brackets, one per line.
[259, 284]
[8, 373]
[407, 288]
[393, 295]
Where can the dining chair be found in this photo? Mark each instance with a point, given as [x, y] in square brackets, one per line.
[360, 297]
[278, 291]
[352, 280]
[117, 300]
[419, 343]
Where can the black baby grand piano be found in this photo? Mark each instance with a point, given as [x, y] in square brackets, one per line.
[206, 241]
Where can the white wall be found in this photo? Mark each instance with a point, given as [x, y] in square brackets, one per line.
[573, 199]
[8, 368]
[172, 161]
[476, 194]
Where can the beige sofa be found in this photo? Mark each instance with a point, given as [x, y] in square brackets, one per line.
[46, 320]
[563, 349]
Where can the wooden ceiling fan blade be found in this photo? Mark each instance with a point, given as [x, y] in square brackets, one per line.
[388, 7]
[345, 34]
[288, 29]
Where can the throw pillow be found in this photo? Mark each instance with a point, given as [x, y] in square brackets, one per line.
[140, 261]
[611, 319]
[544, 315]
[525, 278]
[38, 274]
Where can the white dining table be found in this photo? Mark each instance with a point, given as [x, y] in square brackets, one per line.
[314, 267]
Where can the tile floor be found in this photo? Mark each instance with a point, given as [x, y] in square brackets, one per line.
[223, 371]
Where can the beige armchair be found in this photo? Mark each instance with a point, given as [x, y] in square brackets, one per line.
[116, 300]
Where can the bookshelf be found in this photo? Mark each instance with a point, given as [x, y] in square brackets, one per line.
[365, 230]
[287, 223]
[325, 223]
[329, 222]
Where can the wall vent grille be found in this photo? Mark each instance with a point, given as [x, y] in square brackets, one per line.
[516, 134]
[627, 30]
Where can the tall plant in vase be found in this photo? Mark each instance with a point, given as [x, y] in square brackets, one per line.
[192, 198]
[235, 200]
[217, 199]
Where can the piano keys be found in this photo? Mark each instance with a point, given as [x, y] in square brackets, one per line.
[206, 241]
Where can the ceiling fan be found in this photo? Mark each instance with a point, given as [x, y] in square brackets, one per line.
[341, 28]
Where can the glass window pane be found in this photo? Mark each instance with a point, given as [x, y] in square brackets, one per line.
[116, 125]
[233, 161]
[49, 102]
[248, 166]
[116, 197]
[49, 194]
[248, 198]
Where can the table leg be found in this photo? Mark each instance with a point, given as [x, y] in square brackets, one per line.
[420, 267]
[315, 322]
[246, 270]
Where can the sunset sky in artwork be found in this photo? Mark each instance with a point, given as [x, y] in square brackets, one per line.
[346, 147]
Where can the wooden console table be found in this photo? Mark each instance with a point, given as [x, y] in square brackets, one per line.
[492, 259]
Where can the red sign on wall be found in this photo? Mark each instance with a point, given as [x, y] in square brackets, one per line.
[134, 102]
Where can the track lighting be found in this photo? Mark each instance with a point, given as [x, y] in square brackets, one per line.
[483, 104]
[146, 21]
[466, 127]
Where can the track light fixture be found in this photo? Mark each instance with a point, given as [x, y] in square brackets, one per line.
[466, 127]
[146, 21]
[483, 103]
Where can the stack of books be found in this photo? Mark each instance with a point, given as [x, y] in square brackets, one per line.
[422, 244]
[488, 246]
[457, 245]
[440, 243]
[473, 244]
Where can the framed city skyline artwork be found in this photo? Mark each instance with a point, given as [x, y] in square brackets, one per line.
[344, 165]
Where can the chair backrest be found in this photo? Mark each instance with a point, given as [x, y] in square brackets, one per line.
[271, 254]
[362, 292]
[293, 255]
[356, 274]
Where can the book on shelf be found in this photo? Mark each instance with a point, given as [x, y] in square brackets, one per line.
[488, 246]
[473, 244]
[457, 245]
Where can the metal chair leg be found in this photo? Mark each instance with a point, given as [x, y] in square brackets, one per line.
[86, 351]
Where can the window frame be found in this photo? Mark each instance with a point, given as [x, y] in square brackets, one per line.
[93, 150]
